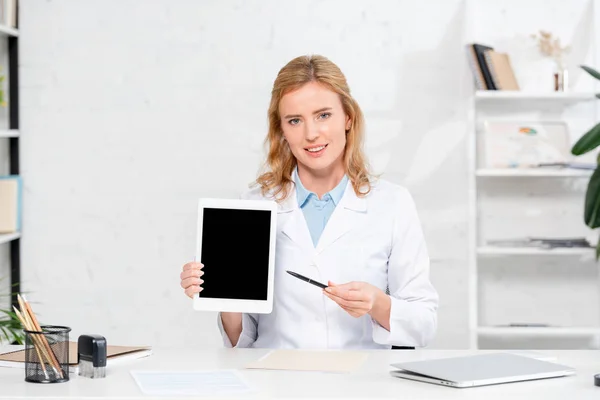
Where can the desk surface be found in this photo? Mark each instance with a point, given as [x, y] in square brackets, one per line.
[371, 381]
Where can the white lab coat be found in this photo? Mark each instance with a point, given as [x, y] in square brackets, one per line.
[375, 239]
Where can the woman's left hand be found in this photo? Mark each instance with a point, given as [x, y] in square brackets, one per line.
[356, 298]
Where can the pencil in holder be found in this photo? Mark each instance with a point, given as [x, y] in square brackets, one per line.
[47, 354]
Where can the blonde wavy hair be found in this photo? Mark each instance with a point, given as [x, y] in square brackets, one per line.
[280, 162]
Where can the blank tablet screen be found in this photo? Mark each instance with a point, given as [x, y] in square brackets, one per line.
[235, 253]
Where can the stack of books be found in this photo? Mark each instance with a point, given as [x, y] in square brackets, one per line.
[492, 70]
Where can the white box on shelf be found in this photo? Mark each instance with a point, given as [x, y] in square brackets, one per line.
[524, 144]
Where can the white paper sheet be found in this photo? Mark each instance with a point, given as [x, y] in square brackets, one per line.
[190, 383]
[310, 360]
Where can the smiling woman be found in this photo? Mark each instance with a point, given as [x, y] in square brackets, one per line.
[336, 223]
[317, 135]
[315, 125]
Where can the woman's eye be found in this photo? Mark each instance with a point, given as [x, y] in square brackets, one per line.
[294, 121]
[324, 115]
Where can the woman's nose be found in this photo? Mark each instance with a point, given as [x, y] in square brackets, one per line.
[311, 131]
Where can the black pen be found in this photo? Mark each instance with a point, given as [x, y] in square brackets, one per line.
[319, 284]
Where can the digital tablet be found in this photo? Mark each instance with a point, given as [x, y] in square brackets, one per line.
[236, 243]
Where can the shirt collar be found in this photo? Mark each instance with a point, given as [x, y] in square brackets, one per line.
[303, 194]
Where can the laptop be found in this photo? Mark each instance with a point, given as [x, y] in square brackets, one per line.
[480, 370]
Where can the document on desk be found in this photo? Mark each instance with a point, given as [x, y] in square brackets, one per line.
[310, 360]
[190, 383]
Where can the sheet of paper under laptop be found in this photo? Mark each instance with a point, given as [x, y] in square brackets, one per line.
[310, 360]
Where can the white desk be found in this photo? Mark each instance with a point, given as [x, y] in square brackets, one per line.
[372, 381]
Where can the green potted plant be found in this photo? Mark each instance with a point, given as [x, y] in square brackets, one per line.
[588, 142]
[10, 326]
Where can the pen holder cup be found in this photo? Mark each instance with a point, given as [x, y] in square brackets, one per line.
[47, 354]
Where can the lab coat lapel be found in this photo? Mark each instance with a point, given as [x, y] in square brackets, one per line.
[293, 224]
[350, 211]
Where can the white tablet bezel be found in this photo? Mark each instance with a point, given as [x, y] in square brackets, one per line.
[238, 305]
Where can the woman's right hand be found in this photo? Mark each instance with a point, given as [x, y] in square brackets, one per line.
[191, 278]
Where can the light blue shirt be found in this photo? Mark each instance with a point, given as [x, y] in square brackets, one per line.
[317, 212]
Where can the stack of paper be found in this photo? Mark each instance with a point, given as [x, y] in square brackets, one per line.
[114, 354]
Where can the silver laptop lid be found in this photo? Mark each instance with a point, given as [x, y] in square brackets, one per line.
[485, 367]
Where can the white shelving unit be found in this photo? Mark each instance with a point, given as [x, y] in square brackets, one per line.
[11, 136]
[509, 190]
[499, 101]
[496, 195]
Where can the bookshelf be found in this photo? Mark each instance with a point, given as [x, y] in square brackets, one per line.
[12, 135]
[519, 182]
[495, 194]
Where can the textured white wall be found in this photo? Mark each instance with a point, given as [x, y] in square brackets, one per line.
[132, 110]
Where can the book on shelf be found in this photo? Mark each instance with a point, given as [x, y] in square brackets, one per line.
[492, 70]
[501, 70]
[10, 203]
[114, 355]
[475, 69]
[483, 78]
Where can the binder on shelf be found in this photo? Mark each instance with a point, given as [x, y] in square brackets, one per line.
[482, 72]
[474, 65]
[114, 354]
[10, 203]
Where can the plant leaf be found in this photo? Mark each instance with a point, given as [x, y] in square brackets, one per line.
[592, 201]
[587, 142]
[598, 250]
[591, 71]
[5, 334]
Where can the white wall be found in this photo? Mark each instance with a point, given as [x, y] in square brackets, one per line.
[132, 110]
